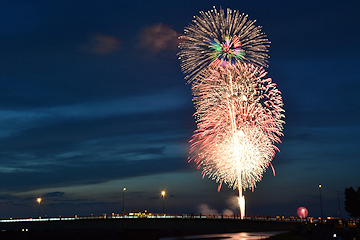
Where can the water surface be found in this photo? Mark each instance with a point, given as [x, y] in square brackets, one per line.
[228, 236]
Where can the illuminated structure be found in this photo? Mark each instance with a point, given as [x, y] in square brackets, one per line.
[39, 201]
[238, 111]
[163, 196]
[123, 203]
[321, 203]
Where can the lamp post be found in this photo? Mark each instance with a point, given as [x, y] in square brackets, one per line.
[163, 195]
[123, 203]
[39, 201]
[321, 203]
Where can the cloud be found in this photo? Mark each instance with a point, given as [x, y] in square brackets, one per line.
[54, 194]
[19, 120]
[101, 44]
[4, 169]
[159, 37]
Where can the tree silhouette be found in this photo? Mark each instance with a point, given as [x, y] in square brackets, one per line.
[352, 202]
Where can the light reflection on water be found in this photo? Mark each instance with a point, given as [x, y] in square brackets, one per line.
[229, 236]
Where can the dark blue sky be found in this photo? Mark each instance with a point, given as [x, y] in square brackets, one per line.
[92, 99]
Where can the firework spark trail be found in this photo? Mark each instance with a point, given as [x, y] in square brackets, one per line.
[238, 111]
[221, 38]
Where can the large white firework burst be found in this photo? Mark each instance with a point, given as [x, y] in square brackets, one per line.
[239, 118]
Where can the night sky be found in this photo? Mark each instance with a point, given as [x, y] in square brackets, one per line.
[92, 99]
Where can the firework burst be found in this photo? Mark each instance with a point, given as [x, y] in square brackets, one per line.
[239, 118]
[219, 38]
[239, 112]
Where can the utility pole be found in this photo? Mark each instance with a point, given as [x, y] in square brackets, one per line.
[321, 203]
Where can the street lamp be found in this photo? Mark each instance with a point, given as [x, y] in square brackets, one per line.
[163, 195]
[321, 203]
[39, 201]
[123, 203]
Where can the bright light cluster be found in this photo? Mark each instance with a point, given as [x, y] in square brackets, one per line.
[226, 52]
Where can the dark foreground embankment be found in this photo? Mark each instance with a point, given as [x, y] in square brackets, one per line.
[136, 228]
[319, 232]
